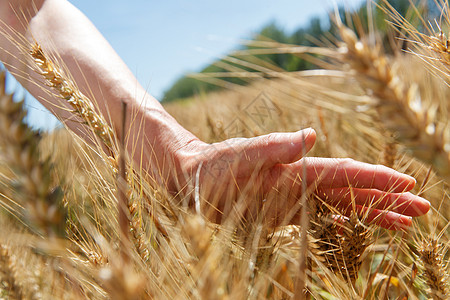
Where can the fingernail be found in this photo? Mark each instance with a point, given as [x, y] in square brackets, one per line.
[426, 205]
[412, 178]
[306, 132]
[412, 182]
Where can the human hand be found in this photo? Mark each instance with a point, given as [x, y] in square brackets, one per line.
[270, 169]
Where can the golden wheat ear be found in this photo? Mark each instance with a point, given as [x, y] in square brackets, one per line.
[8, 274]
[67, 90]
[31, 182]
[399, 105]
[426, 39]
[340, 244]
[432, 254]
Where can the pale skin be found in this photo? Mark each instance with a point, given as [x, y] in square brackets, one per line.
[273, 162]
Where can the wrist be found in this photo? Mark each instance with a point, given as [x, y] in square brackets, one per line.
[186, 159]
[161, 146]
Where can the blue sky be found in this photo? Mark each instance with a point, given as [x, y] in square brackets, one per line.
[161, 40]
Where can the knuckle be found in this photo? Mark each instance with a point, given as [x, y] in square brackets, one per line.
[272, 139]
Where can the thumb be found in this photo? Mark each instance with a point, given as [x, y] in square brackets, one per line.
[276, 148]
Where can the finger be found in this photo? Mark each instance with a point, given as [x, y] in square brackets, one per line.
[268, 150]
[386, 219]
[403, 203]
[336, 173]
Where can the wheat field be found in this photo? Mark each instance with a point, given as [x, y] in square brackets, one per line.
[72, 230]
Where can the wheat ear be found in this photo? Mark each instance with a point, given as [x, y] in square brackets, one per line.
[353, 243]
[8, 274]
[399, 106]
[431, 253]
[433, 46]
[67, 90]
[83, 108]
[340, 246]
[32, 183]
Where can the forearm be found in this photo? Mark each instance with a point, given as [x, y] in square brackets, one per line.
[100, 74]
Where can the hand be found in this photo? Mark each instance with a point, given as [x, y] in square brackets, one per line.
[270, 167]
